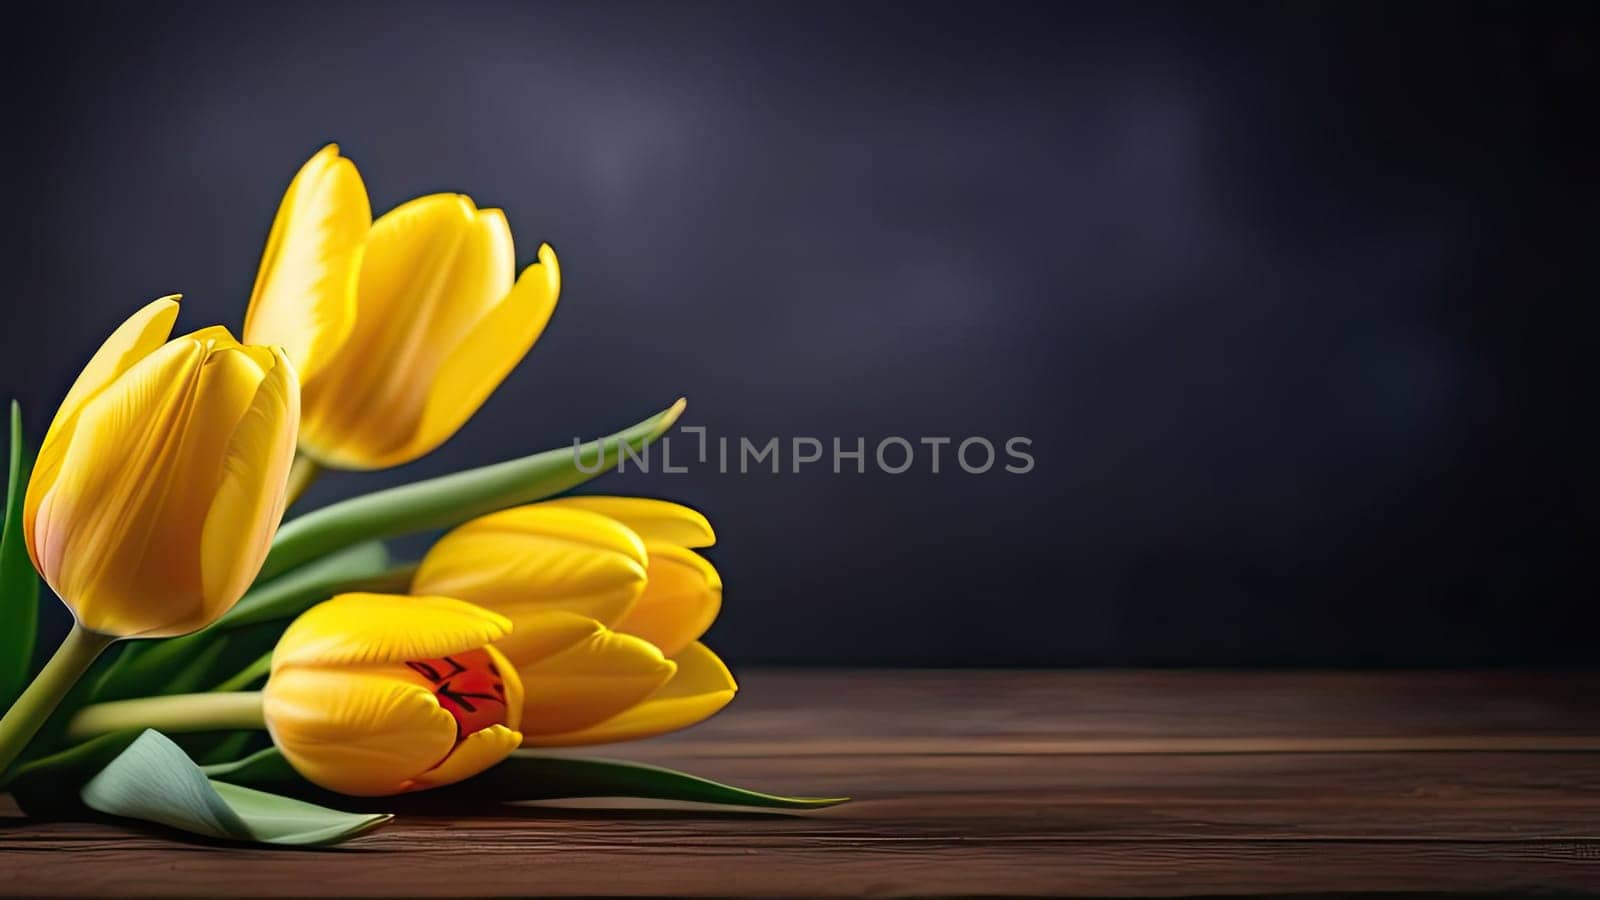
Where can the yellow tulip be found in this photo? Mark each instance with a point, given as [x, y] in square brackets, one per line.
[609, 601]
[156, 492]
[160, 483]
[372, 694]
[402, 329]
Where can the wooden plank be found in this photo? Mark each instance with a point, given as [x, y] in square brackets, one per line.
[997, 783]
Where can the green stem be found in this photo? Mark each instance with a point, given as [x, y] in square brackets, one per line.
[302, 472]
[172, 713]
[71, 660]
[248, 675]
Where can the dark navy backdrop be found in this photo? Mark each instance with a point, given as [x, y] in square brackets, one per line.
[1292, 299]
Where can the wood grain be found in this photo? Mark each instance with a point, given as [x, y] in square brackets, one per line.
[999, 784]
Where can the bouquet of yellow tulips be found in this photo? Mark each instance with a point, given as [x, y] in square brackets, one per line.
[237, 676]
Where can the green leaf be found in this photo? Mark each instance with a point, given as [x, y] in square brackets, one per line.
[47, 787]
[144, 668]
[195, 676]
[364, 566]
[531, 776]
[154, 781]
[19, 584]
[229, 745]
[452, 499]
[264, 768]
[528, 776]
[87, 757]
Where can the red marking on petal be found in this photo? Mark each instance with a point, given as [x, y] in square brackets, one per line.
[468, 686]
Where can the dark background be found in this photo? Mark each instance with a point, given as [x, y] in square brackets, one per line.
[1294, 300]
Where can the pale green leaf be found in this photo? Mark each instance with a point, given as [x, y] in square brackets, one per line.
[154, 781]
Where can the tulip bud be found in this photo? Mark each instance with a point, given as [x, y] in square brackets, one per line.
[372, 694]
[156, 493]
[438, 318]
[161, 480]
[609, 602]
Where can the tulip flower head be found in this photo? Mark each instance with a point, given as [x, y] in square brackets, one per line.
[403, 333]
[374, 694]
[609, 601]
[160, 483]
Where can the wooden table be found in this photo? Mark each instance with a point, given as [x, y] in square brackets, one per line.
[997, 783]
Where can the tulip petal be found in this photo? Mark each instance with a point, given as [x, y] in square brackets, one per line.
[515, 694]
[434, 269]
[250, 497]
[543, 634]
[487, 355]
[477, 752]
[701, 686]
[484, 269]
[133, 340]
[305, 293]
[680, 601]
[534, 558]
[361, 629]
[362, 732]
[576, 672]
[655, 521]
[185, 485]
[100, 530]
